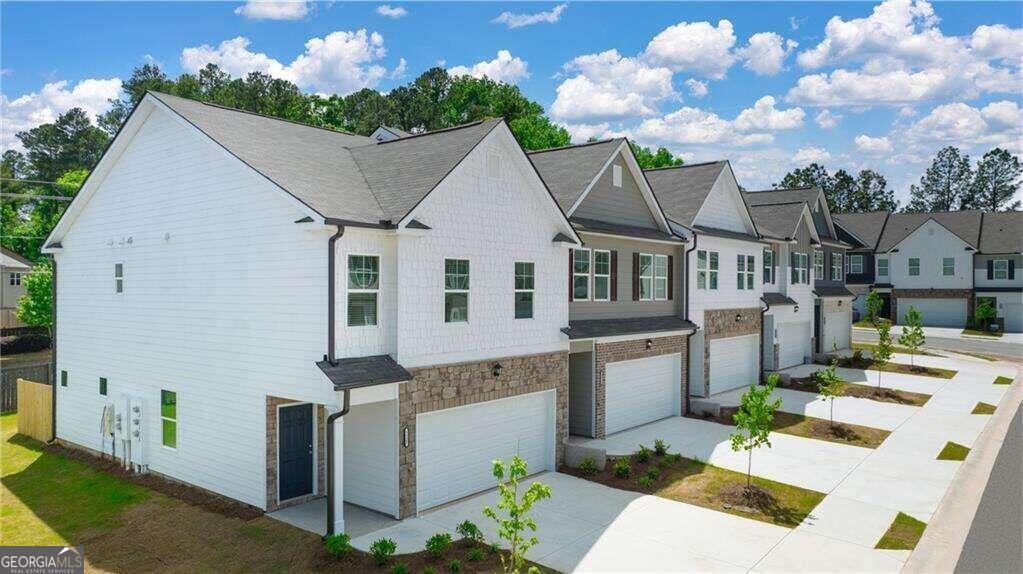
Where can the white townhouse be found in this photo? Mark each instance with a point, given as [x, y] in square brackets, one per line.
[998, 268]
[724, 285]
[277, 312]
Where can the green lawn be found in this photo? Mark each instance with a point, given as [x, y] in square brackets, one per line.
[978, 356]
[902, 368]
[983, 409]
[895, 349]
[977, 333]
[821, 429]
[1003, 381]
[903, 534]
[868, 324]
[953, 451]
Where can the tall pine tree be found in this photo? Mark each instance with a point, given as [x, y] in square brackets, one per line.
[945, 185]
[996, 182]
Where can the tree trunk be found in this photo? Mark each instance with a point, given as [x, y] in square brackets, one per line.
[749, 469]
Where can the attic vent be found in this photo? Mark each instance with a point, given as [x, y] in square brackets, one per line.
[616, 175]
[493, 165]
[930, 232]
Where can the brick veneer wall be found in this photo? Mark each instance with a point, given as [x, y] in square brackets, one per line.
[932, 294]
[446, 386]
[605, 353]
[271, 454]
[722, 324]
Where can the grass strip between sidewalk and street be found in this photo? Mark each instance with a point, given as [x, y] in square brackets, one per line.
[895, 349]
[1003, 380]
[983, 409]
[815, 428]
[868, 364]
[953, 451]
[903, 534]
[976, 333]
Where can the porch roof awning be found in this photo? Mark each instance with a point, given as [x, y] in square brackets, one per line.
[355, 372]
[837, 291]
[777, 299]
[592, 328]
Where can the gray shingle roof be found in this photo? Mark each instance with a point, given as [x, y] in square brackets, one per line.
[583, 225]
[590, 328]
[355, 372]
[340, 176]
[866, 226]
[682, 190]
[569, 170]
[807, 195]
[832, 291]
[1002, 232]
[964, 224]
[778, 221]
[12, 260]
[775, 299]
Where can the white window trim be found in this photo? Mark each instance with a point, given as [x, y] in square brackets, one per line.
[994, 269]
[593, 268]
[15, 279]
[887, 267]
[707, 271]
[747, 282]
[659, 278]
[352, 290]
[952, 274]
[176, 419]
[532, 309]
[802, 268]
[836, 266]
[616, 175]
[768, 258]
[588, 275]
[818, 264]
[444, 279]
[909, 266]
[855, 261]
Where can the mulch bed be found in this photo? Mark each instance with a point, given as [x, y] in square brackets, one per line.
[752, 496]
[357, 561]
[864, 363]
[884, 394]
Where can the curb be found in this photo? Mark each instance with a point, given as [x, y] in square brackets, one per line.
[942, 543]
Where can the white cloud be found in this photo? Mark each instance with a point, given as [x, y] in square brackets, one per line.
[583, 132]
[695, 47]
[513, 20]
[795, 23]
[867, 144]
[340, 62]
[765, 53]
[503, 68]
[763, 116]
[399, 70]
[29, 110]
[998, 123]
[810, 154]
[998, 41]
[826, 119]
[607, 85]
[273, 10]
[697, 89]
[393, 12]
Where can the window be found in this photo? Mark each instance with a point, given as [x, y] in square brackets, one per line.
[102, 386]
[63, 378]
[948, 266]
[745, 266]
[768, 266]
[836, 266]
[523, 290]
[646, 276]
[580, 274]
[706, 269]
[169, 418]
[601, 275]
[914, 266]
[661, 277]
[363, 287]
[856, 264]
[800, 268]
[456, 290]
[818, 264]
[15, 278]
[118, 277]
[616, 175]
[1001, 268]
[882, 267]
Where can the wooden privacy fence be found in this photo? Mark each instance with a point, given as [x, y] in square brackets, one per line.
[39, 372]
[35, 402]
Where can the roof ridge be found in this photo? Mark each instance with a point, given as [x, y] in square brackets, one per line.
[573, 146]
[685, 165]
[157, 95]
[442, 130]
[773, 189]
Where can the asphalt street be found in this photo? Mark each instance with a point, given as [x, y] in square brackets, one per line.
[1011, 351]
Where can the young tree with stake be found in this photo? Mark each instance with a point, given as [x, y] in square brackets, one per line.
[829, 386]
[913, 333]
[883, 350]
[753, 422]
[514, 520]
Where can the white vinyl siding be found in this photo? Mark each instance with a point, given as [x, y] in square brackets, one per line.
[371, 456]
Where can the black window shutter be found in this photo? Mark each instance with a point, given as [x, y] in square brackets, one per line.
[571, 282]
[635, 276]
[614, 275]
[1012, 269]
[671, 277]
[990, 268]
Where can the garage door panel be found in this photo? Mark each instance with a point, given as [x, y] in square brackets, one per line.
[641, 391]
[733, 363]
[793, 343]
[935, 312]
[455, 448]
[837, 330]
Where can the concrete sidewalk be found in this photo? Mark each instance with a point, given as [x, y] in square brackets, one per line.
[953, 333]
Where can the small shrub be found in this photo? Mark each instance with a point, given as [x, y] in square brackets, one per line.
[661, 447]
[623, 468]
[588, 465]
[338, 544]
[643, 455]
[644, 482]
[382, 550]
[399, 568]
[857, 355]
[438, 544]
[468, 529]
[454, 566]
[429, 570]
[494, 548]
[474, 555]
[674, 458]
[653, 473]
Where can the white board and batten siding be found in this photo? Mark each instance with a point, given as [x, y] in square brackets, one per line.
[222, 304]
[371, 456]
[455, 453]
[642, 391]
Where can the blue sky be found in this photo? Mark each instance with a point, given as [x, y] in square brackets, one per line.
[769, 86]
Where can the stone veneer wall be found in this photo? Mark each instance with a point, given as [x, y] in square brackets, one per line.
[271, 454]
[932, 294]
[446, 386]
[605, 353]
[721, 324]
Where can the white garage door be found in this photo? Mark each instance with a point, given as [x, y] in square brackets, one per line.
[733, 363]
[793, 344]
[641, 391]
[935, 312]
[837, 327]
[455, 448]
[1013, 313]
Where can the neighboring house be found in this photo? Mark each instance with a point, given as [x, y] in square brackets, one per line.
[832, 300]
[387, 133]
[13, 269]
[297, 312]
[998, 267]
[723, 279]
[627, 329]
[862, 231]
